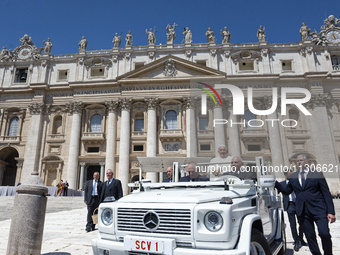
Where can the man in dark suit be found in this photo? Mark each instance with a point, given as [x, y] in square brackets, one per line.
[289, 206]
[169, 172]
[111, 188]
[238, 171]
[193, 175]
[313, 204]
[91, 199]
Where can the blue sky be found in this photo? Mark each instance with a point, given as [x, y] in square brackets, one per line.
[65, 22]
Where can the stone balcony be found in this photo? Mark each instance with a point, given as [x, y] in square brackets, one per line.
[297, 134]
[93, 137]
[10, 139]
[205, 133]
[55, 138]
[253, 134]
[171, 135]
[138, 135]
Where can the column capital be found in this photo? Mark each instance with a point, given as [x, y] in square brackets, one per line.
[102, 163]
[82, 164]
[320, 100]
[111, 105]
[74, 107]
[152, 102]
[190, 102]
[125, 103]
[36, 108]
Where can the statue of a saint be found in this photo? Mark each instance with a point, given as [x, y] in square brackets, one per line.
[4, 54]
[187, 36]
[128, 39]
[26, 40]
[304, 32]
[83, 44]
[48, 46]
[261, 34]
[116, 41]
[210, 36]
[171, 34]
[151, 36]
[226, 36]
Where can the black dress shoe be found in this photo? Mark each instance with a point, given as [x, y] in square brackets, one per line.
[297, 246]
[88, 229]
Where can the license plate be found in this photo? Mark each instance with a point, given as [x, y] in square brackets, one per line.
[148, 244]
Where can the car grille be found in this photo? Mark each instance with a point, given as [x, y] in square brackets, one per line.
[171, 221]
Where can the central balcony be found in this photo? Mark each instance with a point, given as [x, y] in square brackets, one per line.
[171, 135]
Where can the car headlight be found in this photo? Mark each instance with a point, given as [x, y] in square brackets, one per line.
[213, 221]
[107, 216]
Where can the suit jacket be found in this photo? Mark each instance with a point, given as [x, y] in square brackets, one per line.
[285, 197]
[114, 189]
[167, 180]
[89, 189]
[314, 195]
[199, 179]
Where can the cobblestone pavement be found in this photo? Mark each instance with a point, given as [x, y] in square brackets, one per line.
[64, 231]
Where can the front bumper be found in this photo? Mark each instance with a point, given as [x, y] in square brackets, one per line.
[117, 248]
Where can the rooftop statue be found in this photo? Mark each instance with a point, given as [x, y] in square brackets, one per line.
[4, 54]
[226, 36]
[26, 40]
[304, 32]
[330, 22]
[261, 34]
[171, 34]
[128, 39]
[82, 44]
[116, 41]
[210, 36]
[48, 46]
[151, 36]
[187, 35]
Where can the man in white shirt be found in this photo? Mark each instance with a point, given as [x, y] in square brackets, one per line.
[91, 199]
[221, 164]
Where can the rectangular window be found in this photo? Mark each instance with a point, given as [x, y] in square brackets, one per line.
[286, 65]
[21, 75]
[203, 123]
[254, 147]
[92, 149]
[205, 147]
[138, 148]
[246, 66]
[336, 63]
[139, 125]
[63, 75]
[201, 62]
[139, 65]
[97, 71]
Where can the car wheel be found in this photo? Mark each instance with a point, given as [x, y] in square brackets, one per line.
[283, 238]
[259, 244]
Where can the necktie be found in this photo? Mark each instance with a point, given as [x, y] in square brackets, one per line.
[303, 179]
[94, 188]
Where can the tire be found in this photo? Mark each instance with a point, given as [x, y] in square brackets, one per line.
[283, 238]
[259, 244]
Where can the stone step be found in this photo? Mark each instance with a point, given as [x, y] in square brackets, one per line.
[54, 204]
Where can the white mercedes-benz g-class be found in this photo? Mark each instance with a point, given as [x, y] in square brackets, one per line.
[228, 216]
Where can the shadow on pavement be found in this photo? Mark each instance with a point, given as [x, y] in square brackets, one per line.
[57, 253]
[289, 251]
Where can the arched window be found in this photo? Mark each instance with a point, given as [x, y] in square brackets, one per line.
[248, 115]
[57, 125]
[171, 120]
[139, 121]
[96, 124]
[13, 127]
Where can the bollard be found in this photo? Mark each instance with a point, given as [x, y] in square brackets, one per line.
[27, 225]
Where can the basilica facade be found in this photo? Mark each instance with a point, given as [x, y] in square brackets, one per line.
[67, 116]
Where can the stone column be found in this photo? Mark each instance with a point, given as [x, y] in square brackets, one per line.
[102, 171]
[28, 218]
[124, 148]
[219, 134]
[111, 135]
[191, 127]
[325, 149]
[274, 136]
[82, 174]
[75, 108]
[151, 146]
[33, 144]
[234, 134]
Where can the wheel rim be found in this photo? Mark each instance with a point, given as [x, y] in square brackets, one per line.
[256, 249]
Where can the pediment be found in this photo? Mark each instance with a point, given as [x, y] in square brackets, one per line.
[171, 67]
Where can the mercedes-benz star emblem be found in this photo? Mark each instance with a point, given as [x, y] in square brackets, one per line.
[151, 220]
